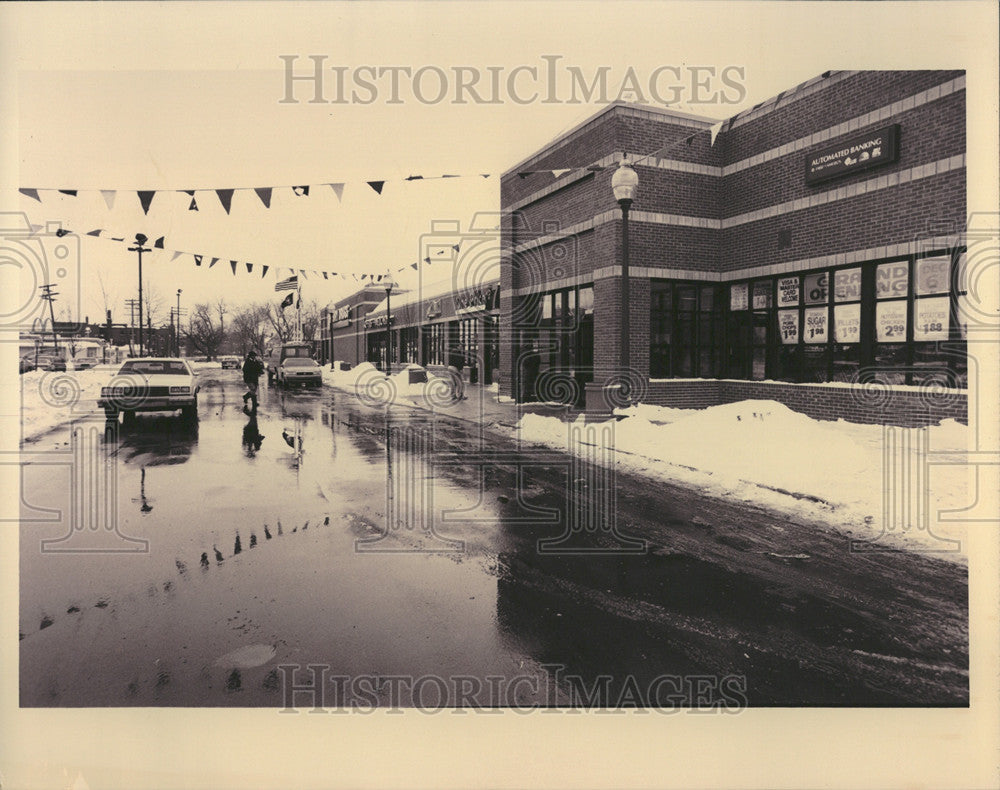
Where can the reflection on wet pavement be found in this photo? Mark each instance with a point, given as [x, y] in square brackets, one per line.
[423, 547]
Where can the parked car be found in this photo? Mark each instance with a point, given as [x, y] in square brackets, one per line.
[27, 364]
[51, 362]
[84, 363]
[299, 370]
[151, 384]
[273, 357]
[231, 363]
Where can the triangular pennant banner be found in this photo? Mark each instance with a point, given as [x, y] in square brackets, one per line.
[428, 260]
[338, 190]
[32, 193]
[71, 192]
[114, 239]
[562, 172]
[197, 260]
[413, 266]
[232, 264]
[264, 193]
[485, 175]
[715, 131]
[97, 232]
[325, 277]
[225, 198]
[413, 178]
[213, 262]
[303, 273]
[145, 198]
[194, 205]
[249, 268]
[301, 191]
[109, 197]
[158, 244]
[175, 256]
[377, 186]
[263, 271]
[449, 176]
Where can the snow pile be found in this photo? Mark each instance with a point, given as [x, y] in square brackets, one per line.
[196, 366]
[373, 387]
[51, 398]
[762, 451]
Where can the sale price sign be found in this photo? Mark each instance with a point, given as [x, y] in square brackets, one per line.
[815, 325]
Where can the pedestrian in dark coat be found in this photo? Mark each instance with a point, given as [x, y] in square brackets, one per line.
[456, 363]
[252, 370]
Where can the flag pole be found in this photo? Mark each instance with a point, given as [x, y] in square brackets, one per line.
[298, 310]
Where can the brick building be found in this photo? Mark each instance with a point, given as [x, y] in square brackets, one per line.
[807, 251]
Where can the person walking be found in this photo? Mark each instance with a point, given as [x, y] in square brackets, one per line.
[252, 370]
[456, 364]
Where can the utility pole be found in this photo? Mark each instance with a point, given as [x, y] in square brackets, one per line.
[140, 239]
[49, 296]
[131, 303]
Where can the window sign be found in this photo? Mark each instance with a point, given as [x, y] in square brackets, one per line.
[815, 324]
[815, 287]
[738, 297]
[847, 323]
[930, 318]
[788, 326]
[890, 322]
[932, 275]
[892, 279]
[788, 291]
[762, 295]
[962, 315]
[847, 285]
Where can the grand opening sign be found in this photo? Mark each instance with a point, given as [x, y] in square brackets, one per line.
[872, 149]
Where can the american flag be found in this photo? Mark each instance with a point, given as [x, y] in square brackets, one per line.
[288, 284]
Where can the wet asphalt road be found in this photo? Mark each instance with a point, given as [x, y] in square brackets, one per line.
[442, 562]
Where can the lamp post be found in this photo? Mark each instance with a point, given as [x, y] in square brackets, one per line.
[623, 184]
[388, 284]
[177, 330]
[139, 241]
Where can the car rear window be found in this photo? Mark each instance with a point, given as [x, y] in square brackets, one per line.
[300, 362]
[295, 351]
[155, 367]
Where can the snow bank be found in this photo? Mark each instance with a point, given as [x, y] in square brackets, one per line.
[375, 389]
[51, 398]
[764, 452]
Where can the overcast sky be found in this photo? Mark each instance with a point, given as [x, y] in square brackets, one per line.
[174, 97]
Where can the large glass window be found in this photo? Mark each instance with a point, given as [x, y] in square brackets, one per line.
[686, 330]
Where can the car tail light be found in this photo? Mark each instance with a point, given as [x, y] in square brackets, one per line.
[180, 390]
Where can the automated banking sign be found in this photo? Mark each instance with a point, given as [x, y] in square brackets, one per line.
[879, 147]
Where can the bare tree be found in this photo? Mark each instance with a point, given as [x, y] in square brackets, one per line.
[152, 304]
[109, 298]
[250, 327]
[205, 333]
[280, 324]
[310, 321]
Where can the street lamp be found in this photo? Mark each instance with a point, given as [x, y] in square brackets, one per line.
[623, 184]
[139, 241]
[388, 284]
